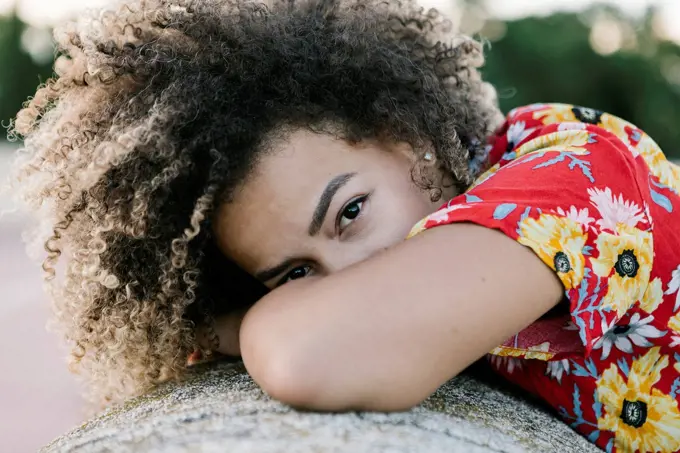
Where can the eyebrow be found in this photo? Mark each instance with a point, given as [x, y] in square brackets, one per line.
[325, 200]
[318, 218]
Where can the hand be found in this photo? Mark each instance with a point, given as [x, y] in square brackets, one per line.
[227, 328]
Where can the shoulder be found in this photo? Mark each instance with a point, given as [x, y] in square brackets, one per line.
[585, 138]
[581, 195]
[552, 121]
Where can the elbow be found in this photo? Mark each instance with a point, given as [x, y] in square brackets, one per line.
[285, 382]
[276, 359]
[304, 387]
[291, 356]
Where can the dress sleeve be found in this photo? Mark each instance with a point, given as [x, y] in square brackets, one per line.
[578, 196]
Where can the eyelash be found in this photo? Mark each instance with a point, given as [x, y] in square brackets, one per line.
[287, 278]
[355, 201]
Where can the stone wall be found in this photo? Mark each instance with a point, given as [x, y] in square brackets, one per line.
[219, 409]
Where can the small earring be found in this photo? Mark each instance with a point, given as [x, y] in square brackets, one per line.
[428, 156]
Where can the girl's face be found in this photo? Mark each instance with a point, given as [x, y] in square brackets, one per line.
[317, 204]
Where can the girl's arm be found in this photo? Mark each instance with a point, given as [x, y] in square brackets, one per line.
[385, 333]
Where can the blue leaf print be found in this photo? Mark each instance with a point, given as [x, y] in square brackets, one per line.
[597, 287]
[589, 371]
[675, 389]
[587, 250]
[553, 161]
[577, 403]
[594, 436]
[623, 366]
[658, 184]
[591, 368]
[597, 405]
[579, 370]
[525, 214]
[577, 419]
[661, 185]
[582, 329]
[662, 200]
[527, 158]
[594, 298]
[583, 165]
[472, 198]
[582, 292]
[503, 210]
[610, 446]
[591, 138]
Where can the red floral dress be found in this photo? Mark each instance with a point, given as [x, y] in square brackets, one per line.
[596, 200]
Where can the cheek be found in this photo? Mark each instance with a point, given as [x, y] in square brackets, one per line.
[394, 216]
[387, 223]
[409, 206]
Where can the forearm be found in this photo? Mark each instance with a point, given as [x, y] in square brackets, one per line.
[384, 334]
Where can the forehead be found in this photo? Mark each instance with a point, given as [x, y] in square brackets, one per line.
[302, 149]
[273, 207]
[295, 171]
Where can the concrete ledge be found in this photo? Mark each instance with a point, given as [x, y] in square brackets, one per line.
[219, 409]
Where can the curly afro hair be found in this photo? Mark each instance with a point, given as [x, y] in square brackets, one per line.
[159, 109]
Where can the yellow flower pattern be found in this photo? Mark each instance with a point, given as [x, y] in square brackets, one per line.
[618, 127]
[674, 323]
[538, 352]
[557, 113]
[652, 297]
[559, 242]
[570, 141]
[642, 417]
[667, 172]
[597, 201]
[625, 259]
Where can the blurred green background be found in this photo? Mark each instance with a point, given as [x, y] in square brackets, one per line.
[598, 57]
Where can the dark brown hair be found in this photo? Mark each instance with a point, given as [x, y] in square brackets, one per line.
[159, 109]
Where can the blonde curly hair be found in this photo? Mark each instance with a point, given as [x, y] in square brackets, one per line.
[159, 109]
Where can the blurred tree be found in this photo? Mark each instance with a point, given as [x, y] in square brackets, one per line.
[20, 74]
[552, 60]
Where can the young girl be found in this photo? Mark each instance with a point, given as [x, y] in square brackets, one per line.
[222, 175]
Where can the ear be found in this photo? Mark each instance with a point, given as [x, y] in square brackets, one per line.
[427, 169]
[423, 156]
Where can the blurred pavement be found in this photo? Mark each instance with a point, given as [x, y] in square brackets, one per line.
[39, 399]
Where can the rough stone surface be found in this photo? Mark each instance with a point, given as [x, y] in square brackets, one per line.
[219, 409]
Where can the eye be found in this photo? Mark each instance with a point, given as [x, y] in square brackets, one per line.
[295, 274]
[350, 213]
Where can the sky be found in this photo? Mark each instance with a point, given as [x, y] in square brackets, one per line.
[47, 12]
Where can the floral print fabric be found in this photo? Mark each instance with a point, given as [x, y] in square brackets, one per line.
[596, 200]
